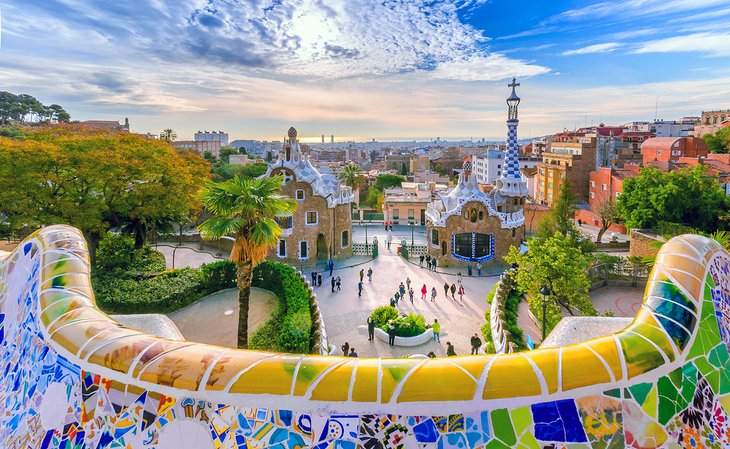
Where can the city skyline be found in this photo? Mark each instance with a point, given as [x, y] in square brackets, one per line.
[364, 70]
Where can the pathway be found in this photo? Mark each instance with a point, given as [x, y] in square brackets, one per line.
[214, 319]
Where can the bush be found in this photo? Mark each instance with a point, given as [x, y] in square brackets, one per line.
[116, 252]
[405, 326]
[219, 275]
[290, 327]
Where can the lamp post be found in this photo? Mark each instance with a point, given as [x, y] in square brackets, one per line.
[366, 235]
[545, 292]
[413, 226]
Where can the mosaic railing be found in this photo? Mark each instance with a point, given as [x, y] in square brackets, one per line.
[72, 377]
[501, 337]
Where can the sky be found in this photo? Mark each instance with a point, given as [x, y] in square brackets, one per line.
[363, 69]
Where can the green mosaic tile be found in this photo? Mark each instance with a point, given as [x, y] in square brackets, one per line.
[719, 357]
[640, 391]
[502, 426]
[650, 403]
[703, 365]
[496, 444]
[614, 393]
[676, 377]
[713, 379]
[689, 382]
[724, 381]
[528, 440]
[617, 442]
[708, 337]
[521, 419]
[668, 397]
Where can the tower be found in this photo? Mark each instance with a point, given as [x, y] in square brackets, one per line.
[510, 184]
[322, 138]
[332, 138]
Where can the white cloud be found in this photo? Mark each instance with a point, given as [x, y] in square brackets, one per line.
[622, 9]
[597, 48]
[486, 68]
[713, 44]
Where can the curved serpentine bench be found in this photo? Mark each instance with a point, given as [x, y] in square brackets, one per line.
[72, 377]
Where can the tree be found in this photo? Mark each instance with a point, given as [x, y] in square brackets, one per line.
[226, 152]
[385, 181]
[403, 169]
[554, 262]
[25, 108]
[95, 180]
[718, 142]
[608, 213]
[246, 209]
[689, 197]
[560, 219]
[168, 135]
[352, 177]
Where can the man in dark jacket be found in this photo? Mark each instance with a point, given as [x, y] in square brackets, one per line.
[476, 343]
[371, 328]
[391, 334]
[450, 349]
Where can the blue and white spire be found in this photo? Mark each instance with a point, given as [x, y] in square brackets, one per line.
[510, 183]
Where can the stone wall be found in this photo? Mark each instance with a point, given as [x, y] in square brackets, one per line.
[641, 243]
[331, 222]
[457, 224]
[501, 337]
[72, 377]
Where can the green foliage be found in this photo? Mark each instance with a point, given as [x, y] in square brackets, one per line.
[556, 263]
[117, 253]
[25, 108]
[386, 181]
[511, 307]
[405, 326]
[289, 328]
[11, 131]
[403, 169]
[561, 218]
[691, 198]
[125, 291]
[223, 171]
[718, 142]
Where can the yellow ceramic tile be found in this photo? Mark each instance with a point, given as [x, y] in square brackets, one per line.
[183, 368]
[511, 376]
[366, 381]
[230, 364]
[607, 349]
[310, 370]
[272, 376]
[640, 355]
[160, 348]
[76, 315]
[120, 353]
[581, 367]
[426, 383]
[393, 372]
[547, 361]
[335, 385]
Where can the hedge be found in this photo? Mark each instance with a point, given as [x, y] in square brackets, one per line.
[290, 327]
[120, 292]
[511, 307]
[405, 325]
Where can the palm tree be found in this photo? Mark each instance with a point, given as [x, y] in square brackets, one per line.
[352, 177]
[168, 135]
[246, 209]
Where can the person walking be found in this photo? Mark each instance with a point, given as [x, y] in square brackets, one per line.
[331, 265]
[420, 261]
[362, 274]
[450, 349]
[410, 294]
[333, 284]
[436, 330]
[424, 290]
[345, 349]
[446, 289]
[319, 279]
[397, 297]
[476, 343]
[453, 292]
[339, 284]
[359, 288]
[433, 294]
[370, 274]
[458, 278]
[388, 240]
[408, 282]
[461, 293]
[371, 328]
[433, 264]
[402, 290]
[392, 302]
[352, 353]
[314, 278]
[428, 261]
[391, 333]
[479, 268]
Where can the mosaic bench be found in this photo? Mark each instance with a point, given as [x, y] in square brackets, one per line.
[74, 378]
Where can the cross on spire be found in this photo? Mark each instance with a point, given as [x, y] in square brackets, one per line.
[513, 84]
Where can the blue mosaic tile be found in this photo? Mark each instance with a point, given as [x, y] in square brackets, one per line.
[558, 421]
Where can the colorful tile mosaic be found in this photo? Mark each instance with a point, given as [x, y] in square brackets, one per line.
[73, 378]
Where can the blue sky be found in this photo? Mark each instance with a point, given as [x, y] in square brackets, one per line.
[362, 68]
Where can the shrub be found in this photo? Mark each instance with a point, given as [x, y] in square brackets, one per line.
[405, 326]
[117, 253]
[291, 331]
[219, 275]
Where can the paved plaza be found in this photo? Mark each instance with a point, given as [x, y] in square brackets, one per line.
[344, 312]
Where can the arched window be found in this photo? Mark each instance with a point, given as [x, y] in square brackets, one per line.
[472, 246]
[345, 238]
[435, 237]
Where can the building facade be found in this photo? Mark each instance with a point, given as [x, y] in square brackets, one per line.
[200, 146]
[321, 227]
[665, 149]
[112, 125]
[466, 225]
[711, 122]
[573, 160]
[218, 136]
[408, 203]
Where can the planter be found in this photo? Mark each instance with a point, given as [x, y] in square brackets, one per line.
[416, 340]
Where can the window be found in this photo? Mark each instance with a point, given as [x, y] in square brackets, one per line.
[284, 223]
[281, 248]
[676, 152]
[550, 195]
[345, 238]
[410, 214]
[481, 215]
[658, 152]
[472, 247]
[435, 237]
[617, 194]
[542, 183]
[499, 165]
[603, 187]
[303, 249]
[499, 173]
[550, 185]
[593, 183]
[300, 195]
[593, 195]
[312, 217]
[396, 214]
